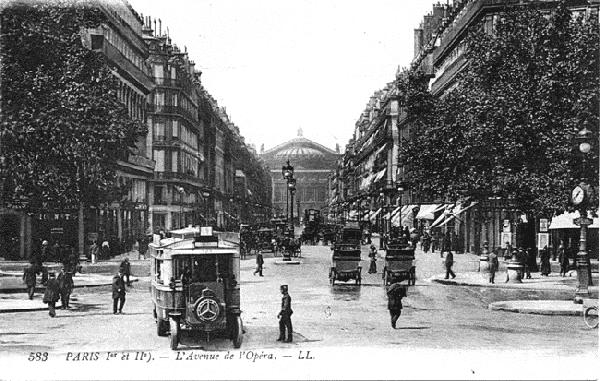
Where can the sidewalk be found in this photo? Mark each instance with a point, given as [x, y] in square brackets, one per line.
[139, 267]
[11, 282]
[466, 266]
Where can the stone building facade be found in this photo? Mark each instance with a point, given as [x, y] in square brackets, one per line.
[313, 164]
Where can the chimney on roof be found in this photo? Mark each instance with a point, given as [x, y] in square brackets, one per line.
[337, 148]
[159, 27]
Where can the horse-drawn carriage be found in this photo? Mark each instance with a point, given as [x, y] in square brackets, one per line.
[346, 255]
[399, 262]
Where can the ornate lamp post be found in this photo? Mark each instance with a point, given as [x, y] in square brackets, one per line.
[292, 188]
[205, 196]
[580, 197]
[287, 171]
[181, 193]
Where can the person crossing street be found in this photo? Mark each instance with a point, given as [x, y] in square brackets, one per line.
[65, 287]
[52, 294]
[29, 278]
[118, 292]
[259, 263]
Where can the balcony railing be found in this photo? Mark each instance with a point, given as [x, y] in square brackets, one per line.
[172, 110]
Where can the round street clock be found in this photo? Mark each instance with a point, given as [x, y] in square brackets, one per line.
[577, 195]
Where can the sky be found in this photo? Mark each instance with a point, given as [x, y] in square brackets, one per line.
[278, 66]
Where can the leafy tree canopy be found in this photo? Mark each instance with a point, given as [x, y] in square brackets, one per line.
[63, 127]
[507, 128]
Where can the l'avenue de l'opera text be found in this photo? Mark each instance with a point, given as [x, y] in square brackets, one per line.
[245, 355]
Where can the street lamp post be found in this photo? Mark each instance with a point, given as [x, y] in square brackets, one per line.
[181, 193]
[205, 196]
[580, 197]
[292, 188]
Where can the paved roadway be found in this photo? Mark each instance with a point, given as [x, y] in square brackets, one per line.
[435, 316]
[343, 316]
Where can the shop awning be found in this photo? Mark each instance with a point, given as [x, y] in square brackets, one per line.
[565, 221]
[427, 211]
[450, 213]
[374, 214]
[405, 217]
[366, 182]
[379, 175]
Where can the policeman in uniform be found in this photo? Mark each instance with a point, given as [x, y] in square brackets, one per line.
[285, 316]
[118, 292]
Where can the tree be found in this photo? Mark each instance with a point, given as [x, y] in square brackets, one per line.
[63, 125]
[507, 128]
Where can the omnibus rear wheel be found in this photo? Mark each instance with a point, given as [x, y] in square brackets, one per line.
[161, 327]
[174, 333]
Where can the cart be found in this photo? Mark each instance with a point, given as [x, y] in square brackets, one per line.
[399, 262]
[345, 264]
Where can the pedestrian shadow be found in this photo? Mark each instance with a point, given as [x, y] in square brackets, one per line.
[413, 327]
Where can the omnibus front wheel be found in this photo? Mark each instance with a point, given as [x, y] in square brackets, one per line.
[590, 316]
[237, 331]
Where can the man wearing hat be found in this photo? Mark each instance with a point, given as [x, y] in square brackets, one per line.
[51, 295]
[65, 287]
[118, 292]
[285, 316]
[29, 277]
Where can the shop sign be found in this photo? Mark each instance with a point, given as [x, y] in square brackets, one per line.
[506, 227]
[543, 226]
[543, 240]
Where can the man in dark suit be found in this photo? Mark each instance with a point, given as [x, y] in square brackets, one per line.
[29, 279]
[51, 295]
[118, 292]
[125, 269]
[259, 263]
[65, 287]
[285, 316]
[448, 262]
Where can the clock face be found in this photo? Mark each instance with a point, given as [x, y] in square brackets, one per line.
[577, 195]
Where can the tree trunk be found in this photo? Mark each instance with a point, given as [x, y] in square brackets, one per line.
[80, 231]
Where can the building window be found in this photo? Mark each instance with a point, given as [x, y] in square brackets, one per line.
[159, 194]
[174, 156]
[159, 72]
[173, 72]
[159, 158]
[159, 98]
[174, 100]
[159, 130]
[175, 128]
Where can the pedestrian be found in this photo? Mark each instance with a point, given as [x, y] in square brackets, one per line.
[105, 250]
[118, 292]
[395, 293]
[507, 251]
[522, 258]
[29, 278]
[65, 287]
[545, 268]
[259, 263]
[373, 256]
[563, 258]
[125, 269]
[448, 262]
[426, 242]
[52, 294]
[493, 260]
[285, 316]
[142, 247]
[94, 252]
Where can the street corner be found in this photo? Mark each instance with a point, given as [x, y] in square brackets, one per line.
[539, 307]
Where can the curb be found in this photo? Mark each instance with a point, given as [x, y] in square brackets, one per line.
[42, 289]
[508, 307]
[497, 285]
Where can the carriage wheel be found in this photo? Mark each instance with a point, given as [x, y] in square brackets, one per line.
[174, 333]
